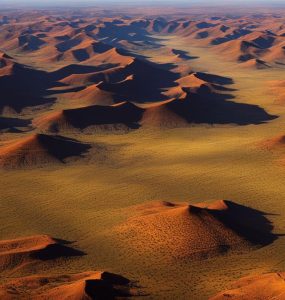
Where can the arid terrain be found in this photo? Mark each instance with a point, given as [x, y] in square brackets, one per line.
[142, 153]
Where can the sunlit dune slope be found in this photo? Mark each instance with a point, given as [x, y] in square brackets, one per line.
[39, 149]
[195, 231]
[265, 286]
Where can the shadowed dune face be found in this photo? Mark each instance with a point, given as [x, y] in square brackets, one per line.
[213, 108]
[22, 87]
[209, 104]
[195, 231]
[143, 82]
[11, 124]
[29, 42]
[39, 149]
[123, 114]
[265, 286]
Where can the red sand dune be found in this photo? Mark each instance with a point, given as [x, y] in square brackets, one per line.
[162, 115]
[176, 92]
[191, 80]
[256, 63]
[91, 95]
[114, 117]
[110, 74]
[121, 116]
[87, 286]
[194, 231]
[18, 253]
[112, 56]
[38, 149]
[259, 287]
[22, 251]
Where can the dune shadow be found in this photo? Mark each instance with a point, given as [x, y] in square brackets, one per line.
[62, 147]
[127, 114]
[145, 84]
[30, 42]
[215, 108]
[184, 54]
[10, 123]
[247, 222]
[236, 34]
[112, 286]
[25, 87]
[134, 33]
[204, 25]
[57, 250]
[214, 79]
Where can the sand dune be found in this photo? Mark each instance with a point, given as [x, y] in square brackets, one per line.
[256, 63]
[109, 117]
[162, 116]
[204, 104]
[39, 149]
[191, 80]
[109, 75]
[90, 95]
[207, 105]
[266, 286]
[240, 42]
[20, 252]
[143, 82]
[113, 117]
[87, 285]
[195, 231]
[112, 56]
